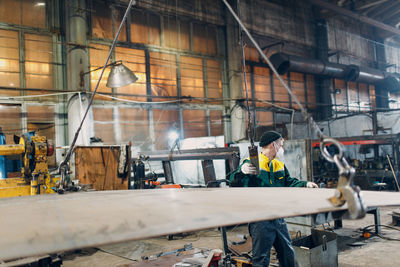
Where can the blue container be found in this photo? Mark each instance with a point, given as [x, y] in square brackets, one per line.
[3, 173]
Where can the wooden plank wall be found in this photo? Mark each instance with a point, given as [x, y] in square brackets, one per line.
[98, 166]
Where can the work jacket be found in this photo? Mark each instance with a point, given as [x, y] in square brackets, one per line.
[272, 174]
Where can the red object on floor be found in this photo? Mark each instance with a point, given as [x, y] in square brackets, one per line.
[165, 186]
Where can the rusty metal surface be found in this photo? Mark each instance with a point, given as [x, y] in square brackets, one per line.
[52, 223]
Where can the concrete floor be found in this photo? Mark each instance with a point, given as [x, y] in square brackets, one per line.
[374, 251]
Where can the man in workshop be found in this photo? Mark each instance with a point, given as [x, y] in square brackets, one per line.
[272, 173]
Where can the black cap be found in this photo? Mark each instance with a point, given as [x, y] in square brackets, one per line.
[269, 137]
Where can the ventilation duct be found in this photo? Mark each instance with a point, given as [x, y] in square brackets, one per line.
[284, 63]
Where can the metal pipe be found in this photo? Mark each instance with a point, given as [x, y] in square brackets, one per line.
[284, 63]
[6, 150]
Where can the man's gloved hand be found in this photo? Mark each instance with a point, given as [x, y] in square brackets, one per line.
[311, 185]
[248, 168]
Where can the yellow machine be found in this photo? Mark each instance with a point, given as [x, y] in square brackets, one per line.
[35, 178]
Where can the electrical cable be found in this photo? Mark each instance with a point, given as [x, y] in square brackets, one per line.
[380, 235]
[250, 126]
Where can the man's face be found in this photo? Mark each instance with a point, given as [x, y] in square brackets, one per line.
[278, 144]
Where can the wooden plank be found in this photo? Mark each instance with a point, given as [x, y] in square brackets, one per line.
[51, 223]
[99, 166]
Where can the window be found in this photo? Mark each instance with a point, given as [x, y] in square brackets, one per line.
[204, 39]
[340, 94]
[214, 82]
[265, 118]
[176, 33]
[365, 103]
[281, 96]
[297, 87]
[194, 123]
[216, 123]
[262, 86]
[163, 75]
[11, 121]
[101, 21]
[134, 126]
[192, 78]
[372, 97]
[9, 61]
[98, 53]
[164, 121]
[134, 59]
[311, 97]
[352, 92]
[251, 54]
[104, 125]
[31, 13]
[38, 61]
[145, 28]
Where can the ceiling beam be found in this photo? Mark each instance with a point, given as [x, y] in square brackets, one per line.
[388, 16]
[371, 4]
[353, 15]
[393, 20]
[382, 9]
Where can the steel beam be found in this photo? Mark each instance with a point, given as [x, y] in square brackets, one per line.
[192, 154]
[356, 16]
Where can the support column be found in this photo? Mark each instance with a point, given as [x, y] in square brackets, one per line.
[238, 115]
[381, 92]
[77, 54]
[323, 84]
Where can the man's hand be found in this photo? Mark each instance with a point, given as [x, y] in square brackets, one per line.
[248, 168]
[311, 185]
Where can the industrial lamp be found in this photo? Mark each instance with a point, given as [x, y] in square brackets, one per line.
[120, 75]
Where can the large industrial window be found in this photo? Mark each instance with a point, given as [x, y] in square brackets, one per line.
[297, 86]
[176, 33]
[340, 95]
[164, 122]
[145, 28]
[311, 97]
[11, 121]
[163, 75]
[204, 39]
[9, 61]
[134, 59]
[247, 83]
[364, 98]
[216, 123]
[265, 118]
[352, 93]
[134, 127]
[262, 86]
[194, 123]
[38, 61]
[98, 53]
[281, 96]
[352, 96]
[103, 120]
[31, 13]
[192, 78]
[372, 97]
[106, 20]
[214, 82]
